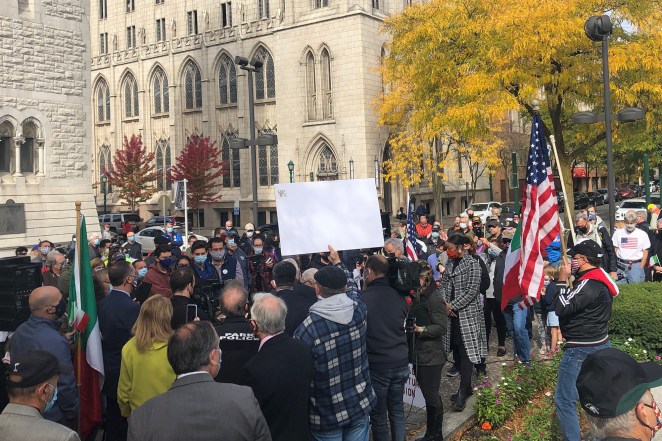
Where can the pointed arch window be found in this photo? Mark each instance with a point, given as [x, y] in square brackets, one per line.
[104, 165]
[163, 165]
[327, 169]
[227, 81]
[103, 101]
[232, 163]
[131, 106]
[265, 78]
[267, 161]
[327, 102]
[161, 92]
[311, 87]
[192, 86]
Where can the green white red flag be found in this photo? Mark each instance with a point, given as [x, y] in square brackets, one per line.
[83, 318]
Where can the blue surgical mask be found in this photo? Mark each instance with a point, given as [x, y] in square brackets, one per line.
[44, 250]
[435, 234]
[200, 259]
[169, 229]
[51, 403]
[132, 239]
[96, 242]
[258, 250]
[142, 272]
[230, 241]
[591, 216]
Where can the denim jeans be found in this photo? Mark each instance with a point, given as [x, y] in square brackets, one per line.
[389, 386]
[357, 431]
[565, 397]
[516, 323]
[635, 274]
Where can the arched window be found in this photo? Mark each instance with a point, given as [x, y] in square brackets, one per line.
[161, 92]
[327, 103]
[104, 165]
[103, 101]
[267, 158]
[131, 106]
[163, 164]
[265, 78]
[227, 81]
[192, 86]
[311, 87]
[327, 169]
[232, 164]
[7, 132]
[27, 149]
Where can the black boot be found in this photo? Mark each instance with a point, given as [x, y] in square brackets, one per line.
[430, 427]
[438, 434]
[460, 401]
[469, 392]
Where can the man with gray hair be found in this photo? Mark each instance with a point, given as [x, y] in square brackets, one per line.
[394, 248]
[54, 264]
[191, 408]
[642, 218]
[585, 229]
[631, 245]
[281, 372]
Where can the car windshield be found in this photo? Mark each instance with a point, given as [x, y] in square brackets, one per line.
[633, 204]
[132, 217]
[478, 207]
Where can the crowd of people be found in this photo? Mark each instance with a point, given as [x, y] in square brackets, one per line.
[313, 346]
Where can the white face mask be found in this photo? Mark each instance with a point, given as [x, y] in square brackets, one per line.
[463, 225]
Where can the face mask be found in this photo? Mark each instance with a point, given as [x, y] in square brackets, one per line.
[132, 239]
[463, 225]
[249, 234]
[658, 422]
[51, 403]
[169, 230]
[457, 224]
[200, 259]
[142, 272]
[44, 250]
[546, 281]
[591, 216]
[258, 250]
[435, 234]
[165, 262]
[61, 308]
[452, 254]
[574, 267]
[96, 242]
[583, 229]
[630, 228]
[217, 255]
[110, 287]
[231, 242]
[388, 255]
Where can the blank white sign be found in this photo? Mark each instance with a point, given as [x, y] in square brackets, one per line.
[314, 215]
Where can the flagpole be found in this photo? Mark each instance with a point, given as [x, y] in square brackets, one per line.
[565, 199]
[79, 242]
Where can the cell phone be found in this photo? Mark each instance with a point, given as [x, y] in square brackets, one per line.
[191, 312]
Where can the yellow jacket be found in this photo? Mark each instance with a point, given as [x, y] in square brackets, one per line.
[143, 375]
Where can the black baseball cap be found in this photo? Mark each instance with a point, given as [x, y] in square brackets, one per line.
[611, 383]
[436, 228]
[588, 248]
[331, 277]
[34, 367]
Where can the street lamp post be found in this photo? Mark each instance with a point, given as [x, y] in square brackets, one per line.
[290, 167]
[351, 168]
[104, 188]
[376, 172]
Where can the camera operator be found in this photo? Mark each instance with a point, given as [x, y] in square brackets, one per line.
[260, 264]
[429, 323]
[479, 231]
[386, 343]
[237, 341]
[182, 282]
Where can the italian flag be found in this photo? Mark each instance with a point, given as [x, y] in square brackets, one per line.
[88, 360]
[511, 287]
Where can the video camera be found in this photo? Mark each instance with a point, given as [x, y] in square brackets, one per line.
[205, 295]
[403, 275]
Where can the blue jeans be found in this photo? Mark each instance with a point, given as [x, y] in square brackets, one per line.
[566, 396]
[635, 274]
[357, 431]
[389, 386]
[516, 324]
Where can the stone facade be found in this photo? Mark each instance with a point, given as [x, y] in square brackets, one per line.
[320, 100]
[45, 148]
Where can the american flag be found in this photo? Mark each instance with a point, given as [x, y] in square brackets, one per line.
[411, 245]
[539, 224]
[630, 243]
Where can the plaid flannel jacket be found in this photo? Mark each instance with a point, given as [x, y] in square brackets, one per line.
[341, 392]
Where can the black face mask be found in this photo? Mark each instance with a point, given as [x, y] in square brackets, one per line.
[61, 308]
[583, 229]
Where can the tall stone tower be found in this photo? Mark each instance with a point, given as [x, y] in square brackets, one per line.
[45, 147]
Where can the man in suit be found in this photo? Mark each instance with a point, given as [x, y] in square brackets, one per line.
[41, 331]
[32, 385]
[191, 408]
[117, 314]
[284, 279]
[281, 372]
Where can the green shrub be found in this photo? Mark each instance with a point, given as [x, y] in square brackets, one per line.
[637, 315]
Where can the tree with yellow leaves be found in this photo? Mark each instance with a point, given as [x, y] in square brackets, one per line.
[456, 67]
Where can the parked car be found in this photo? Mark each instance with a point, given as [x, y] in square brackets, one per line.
[627, 193]
[605, 192]
[630, 204]
[581, 200]
[176, 221]
[595, 198]
[146, 238]
[483, 209]
[115, 220]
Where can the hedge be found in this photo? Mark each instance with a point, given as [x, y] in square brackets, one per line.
[637, 315]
